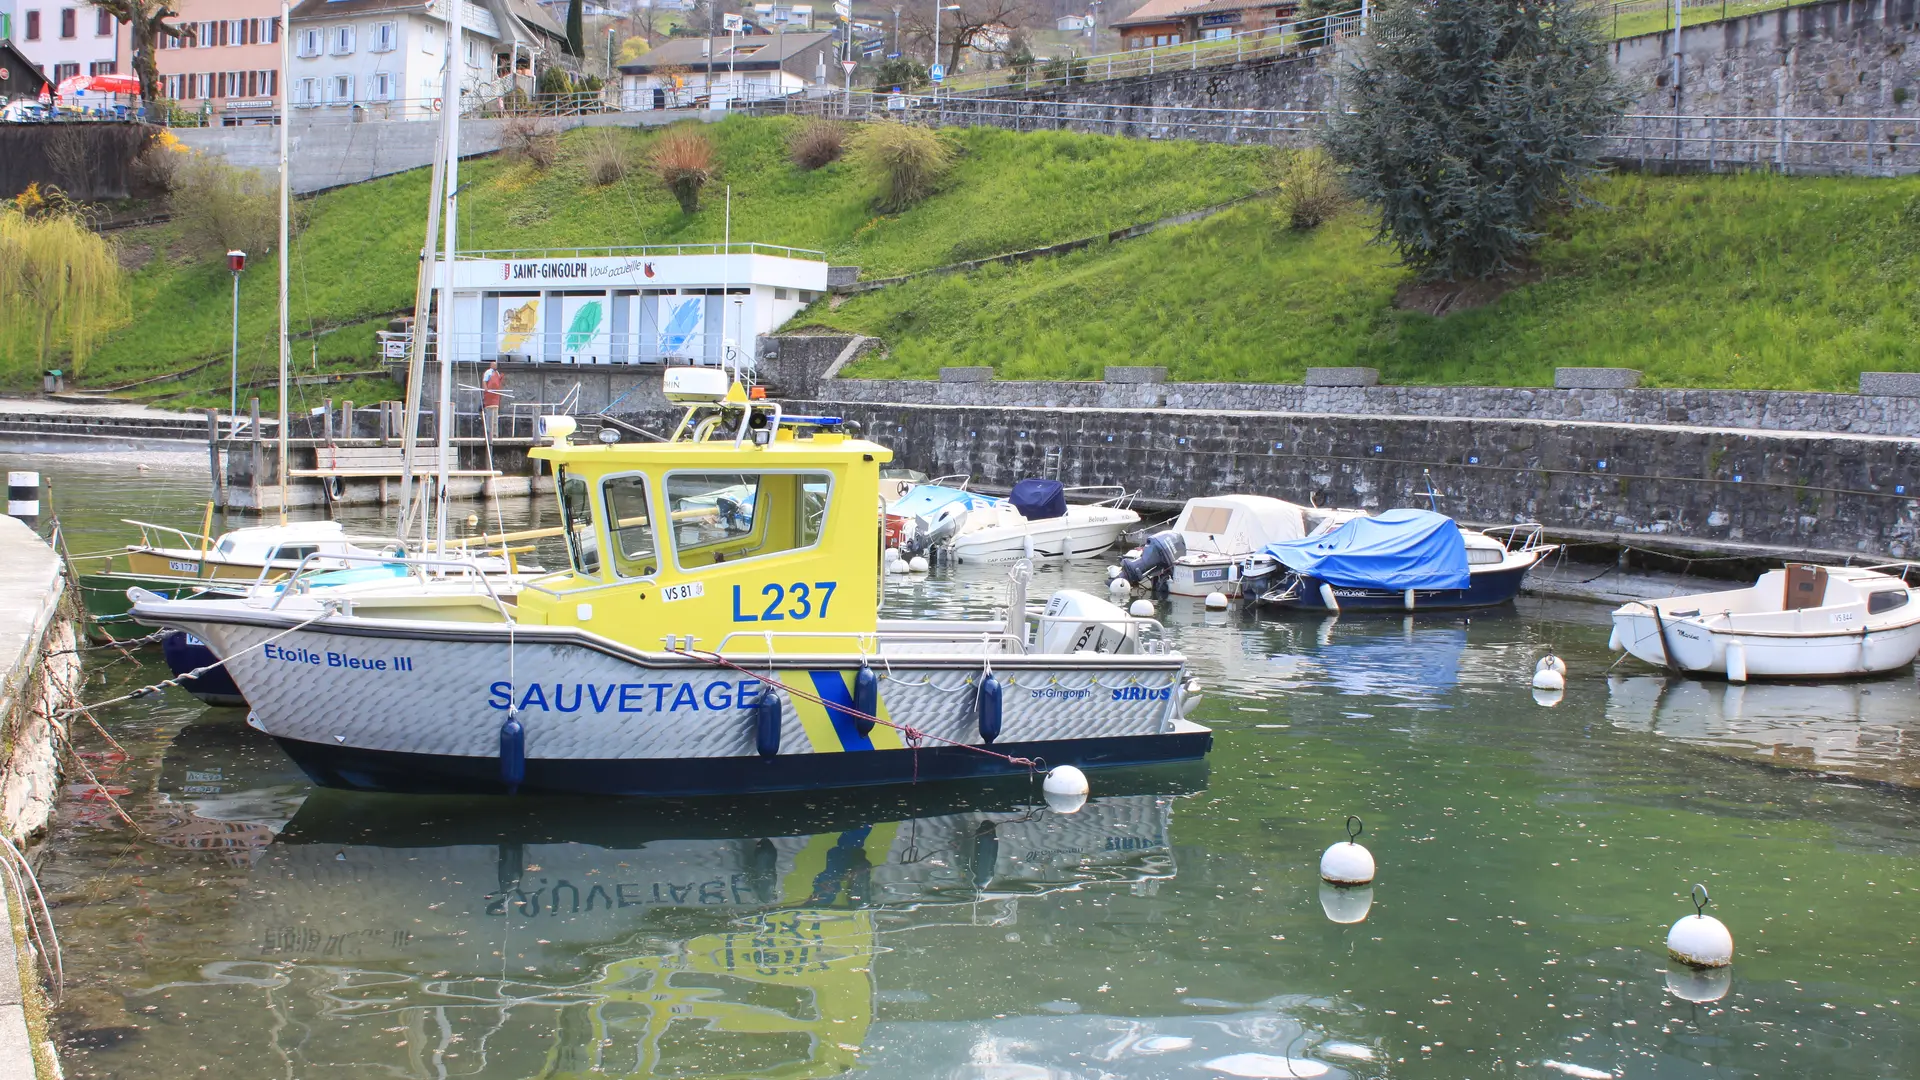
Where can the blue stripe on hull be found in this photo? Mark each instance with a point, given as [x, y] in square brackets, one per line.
[184, 653]
[380, 770]
[1483, 590]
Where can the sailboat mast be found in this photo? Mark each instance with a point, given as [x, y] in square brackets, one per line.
[286, 182]
[444, 349]
[424, 284]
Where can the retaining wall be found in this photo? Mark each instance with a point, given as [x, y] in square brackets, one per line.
[1764, 410]
[1785, 491]
[330, 153]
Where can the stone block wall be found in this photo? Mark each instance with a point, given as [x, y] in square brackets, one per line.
[1781, 490]
[1766, 410]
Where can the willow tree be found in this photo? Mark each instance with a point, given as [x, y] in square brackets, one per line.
[59, 281]
[1465, 122]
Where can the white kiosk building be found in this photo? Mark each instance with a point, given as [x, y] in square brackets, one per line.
[673, 304]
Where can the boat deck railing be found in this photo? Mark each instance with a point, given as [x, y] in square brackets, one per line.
[147, 529]
[1528, 535]
[416, 567]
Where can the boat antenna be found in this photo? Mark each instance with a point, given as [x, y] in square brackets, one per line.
[1433, 499]
[286, 97]
[443, 325]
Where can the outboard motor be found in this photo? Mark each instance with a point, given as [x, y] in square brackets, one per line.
[923, 534]
[1082, 622]
[1155, 561]
[1259, 575]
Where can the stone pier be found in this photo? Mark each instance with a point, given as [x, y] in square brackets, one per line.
[41, 673]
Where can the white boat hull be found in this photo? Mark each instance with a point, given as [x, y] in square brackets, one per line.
[1198, 576]
[387, 705]
[1072, 537]
[1695, 645]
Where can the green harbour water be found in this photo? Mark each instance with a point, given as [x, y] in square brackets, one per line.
[1531, 859]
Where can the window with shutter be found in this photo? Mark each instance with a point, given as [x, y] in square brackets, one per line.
[102, 24]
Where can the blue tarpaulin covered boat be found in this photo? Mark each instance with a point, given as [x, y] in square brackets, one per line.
[1400, 549]
[1401, 560]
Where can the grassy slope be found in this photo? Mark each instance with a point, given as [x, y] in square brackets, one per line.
[356, 259]
[1751, 281]
[1754, 281]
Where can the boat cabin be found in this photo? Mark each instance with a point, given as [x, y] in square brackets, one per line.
[238, 554]
[746, 524]
[1239, 524]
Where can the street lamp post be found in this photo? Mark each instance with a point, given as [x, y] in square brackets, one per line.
[236, 262]
[937, 9]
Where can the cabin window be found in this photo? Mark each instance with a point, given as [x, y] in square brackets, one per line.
[1479, 556]
[1886, 600]
[720, 517]
[1211, 520]
[630, 521]
[294, 552]
[576, 510]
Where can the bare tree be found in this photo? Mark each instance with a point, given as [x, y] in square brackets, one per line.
[146, 20]
[984, 26]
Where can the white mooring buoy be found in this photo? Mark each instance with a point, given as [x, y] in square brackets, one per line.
[1114, 572]
[897, 566]
[1700, 940]
[1347, 863]
[919, 564]
[1119, 586]
[892, 556]
[1141, 609]
[1216, 601]
[1550, 673]
[1065, 788]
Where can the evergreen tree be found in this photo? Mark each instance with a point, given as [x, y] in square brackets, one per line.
[576, 27]
[1466, 121]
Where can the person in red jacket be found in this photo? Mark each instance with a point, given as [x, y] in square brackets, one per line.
[490, 386]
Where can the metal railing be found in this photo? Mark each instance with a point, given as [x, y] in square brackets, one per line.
[1850, 145]
[738, 247]
[1630, 18]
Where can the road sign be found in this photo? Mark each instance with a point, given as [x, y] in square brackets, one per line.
[843, 8]
[733, 24]
[937, 72]
[849, 65]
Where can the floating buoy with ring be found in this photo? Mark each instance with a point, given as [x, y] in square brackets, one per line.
[1699, 940]
[1348, 863]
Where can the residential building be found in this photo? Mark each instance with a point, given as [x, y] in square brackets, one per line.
[384, 57]
[225, 63]
[1171, 22]
[685, 71]
[65, 37]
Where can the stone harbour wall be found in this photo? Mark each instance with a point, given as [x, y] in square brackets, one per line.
[1782, 491]
[1763, 410]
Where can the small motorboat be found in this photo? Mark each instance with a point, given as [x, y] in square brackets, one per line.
[1800, 621]
[1402, 560]
[1035, 521]
[1203, 551]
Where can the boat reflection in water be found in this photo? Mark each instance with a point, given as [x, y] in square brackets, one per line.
[1869, 729]
[440, 937]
